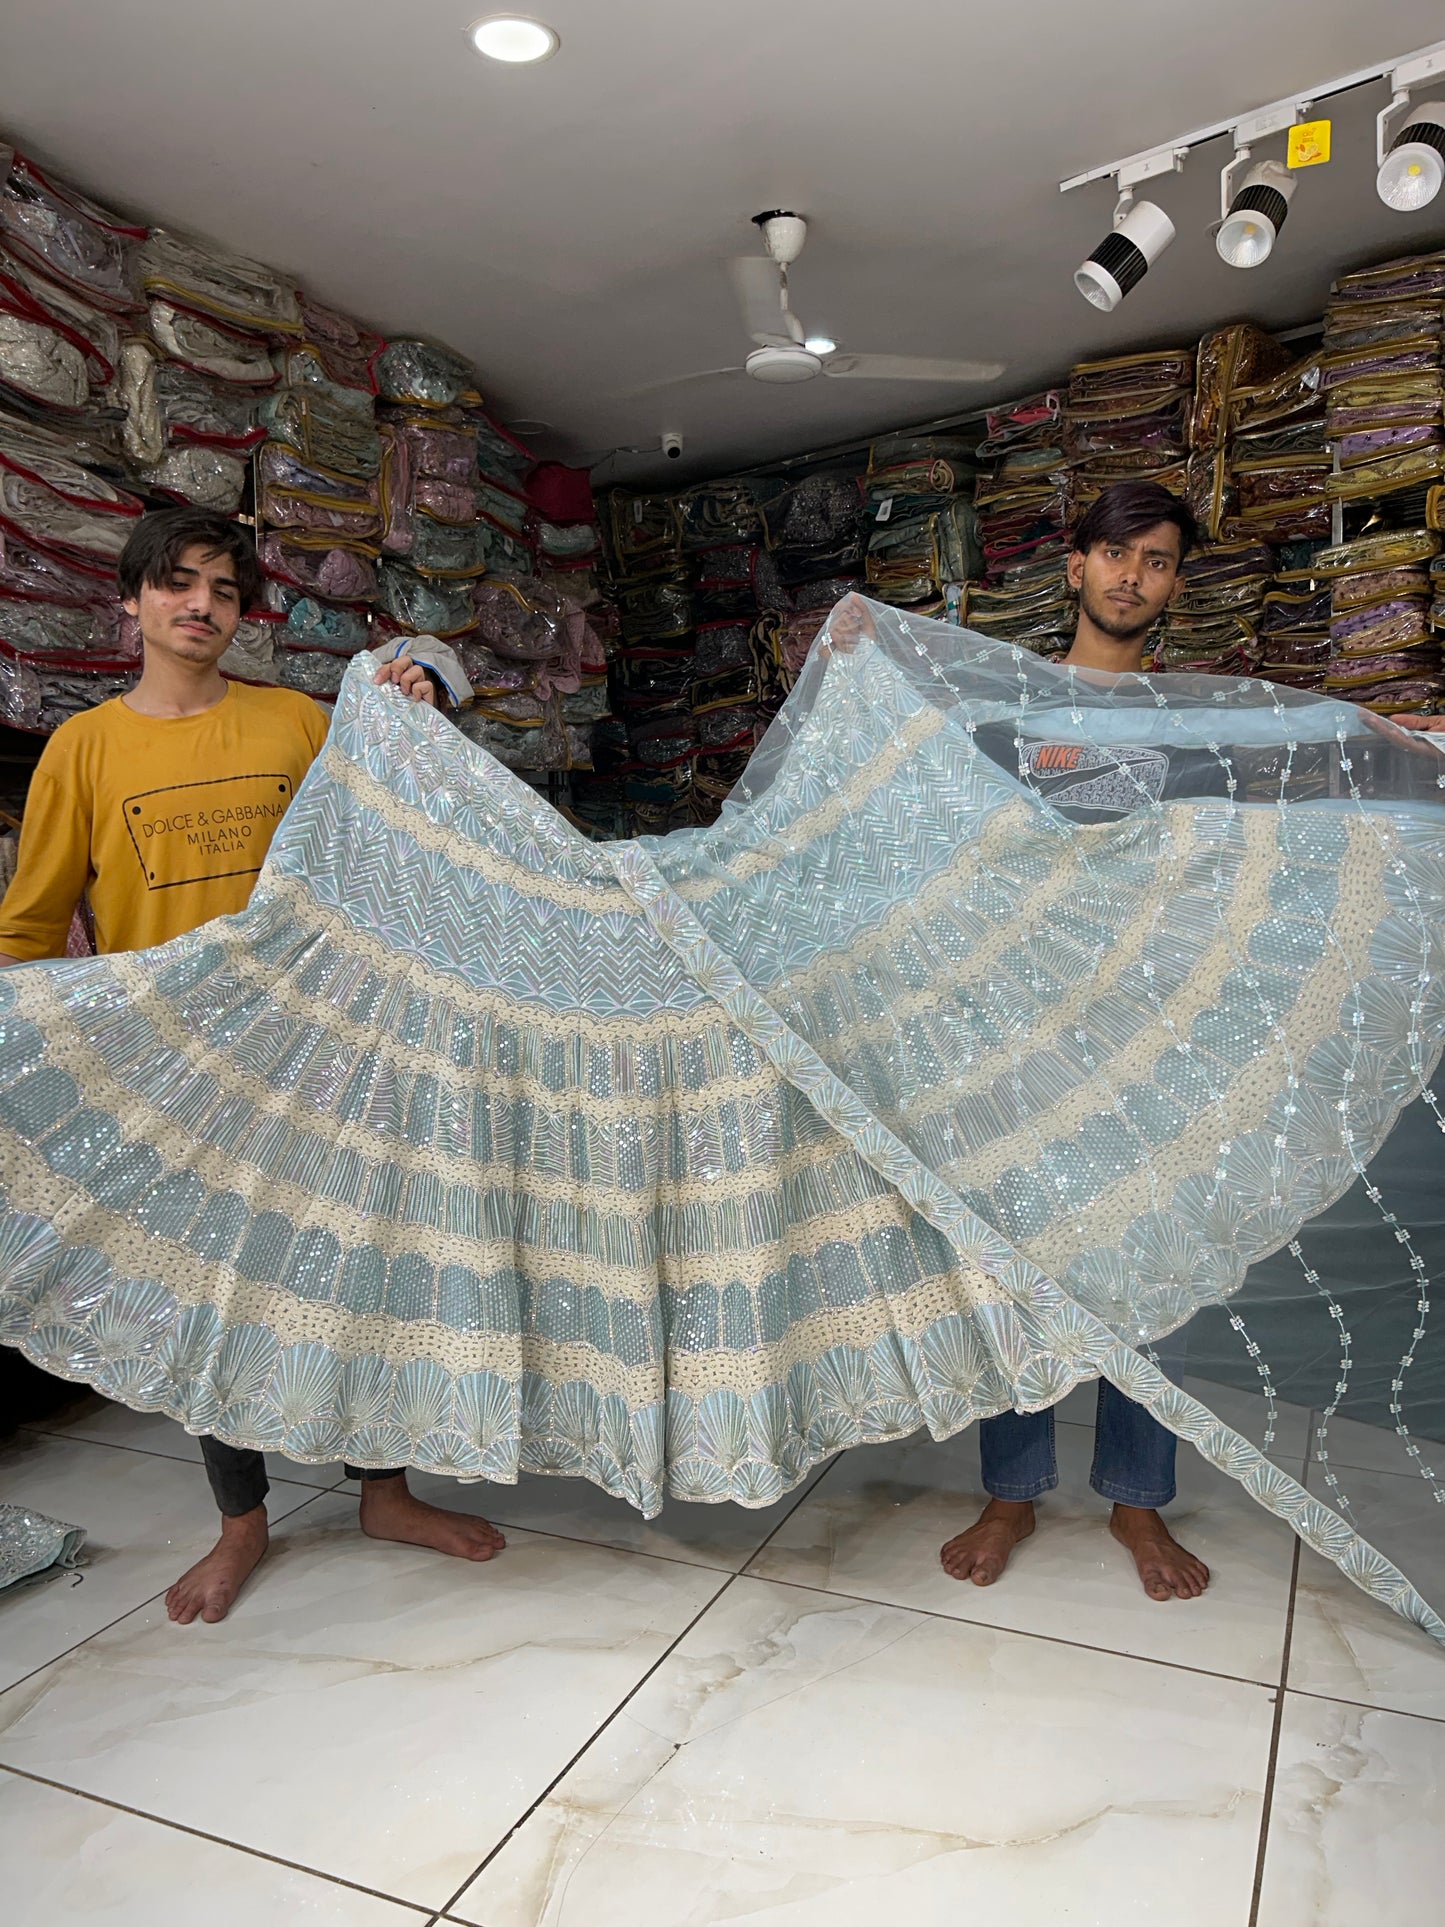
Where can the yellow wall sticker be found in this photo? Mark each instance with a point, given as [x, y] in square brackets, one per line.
[1309, 144]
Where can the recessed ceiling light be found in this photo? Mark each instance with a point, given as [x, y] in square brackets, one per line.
[513, 38]
[820, 344]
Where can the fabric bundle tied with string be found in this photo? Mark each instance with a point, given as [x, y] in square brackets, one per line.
[1006, 1022]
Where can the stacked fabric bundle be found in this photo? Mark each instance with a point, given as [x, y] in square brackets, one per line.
[1384, 652]
[1293, 644]
[192, 382]
[321, 462]
[538, 674]
[68, 287]
[1227, 362]
[61, 529]
[1213, 623]
[1126, 418]
[1381, 371]
[1023, 509]
[651, 748]
[923, 524]
[1278, 458]
[816, 533]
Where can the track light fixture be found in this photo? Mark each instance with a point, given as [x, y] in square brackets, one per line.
[1141, 233]
[1411, 157]
[1254, 215]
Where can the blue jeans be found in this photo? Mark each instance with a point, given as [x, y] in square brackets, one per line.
[1133, 1453]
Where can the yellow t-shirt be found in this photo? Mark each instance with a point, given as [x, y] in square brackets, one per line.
[165, 821]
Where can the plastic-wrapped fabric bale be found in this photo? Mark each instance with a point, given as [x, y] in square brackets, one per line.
[918, 465]
[311, 624]
[316, 672]
[912, 555]
[251, 656]
[1240, 356]
[718, 513]
[41, 575]
[501, 456]
[1212, 624]
[210, 348]
[228, 288]
[65, 630]
[70, 239]
[1384, 653]
[458, 553]
[656, 609]
[423, 375]
[324, 434]
[1294, 631]
[424, 605]
[502, 506]
[1382, 372]
[1135, 406]
[51, 503]
[94, 332]
[643, 532]
[1023, 506]
[348, 353]
[209, 477]
[1035, 421]
[562, 545]
[338, 574]
[167, 404]
[304, 499]
[39, 693]
[1032, 607]
[39, 365]
[819, 512]
[736, 580]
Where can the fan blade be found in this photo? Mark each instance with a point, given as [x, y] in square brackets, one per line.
[676, 381]
[759, 290]
[910, 368]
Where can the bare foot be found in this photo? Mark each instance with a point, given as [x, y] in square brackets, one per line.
[208, 1590]
[390, 1510]
[1167, 1570]
[981, 1553]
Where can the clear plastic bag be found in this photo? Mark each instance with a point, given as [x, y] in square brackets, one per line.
[229, 287]
[423, 606]
[66, 236]
[341, 575]
[39, 363]
[66, 629]
[210, 348]
[194, 472]
[424, 375]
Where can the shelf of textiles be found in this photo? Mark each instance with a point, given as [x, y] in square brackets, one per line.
[718, 592]
[922, 522]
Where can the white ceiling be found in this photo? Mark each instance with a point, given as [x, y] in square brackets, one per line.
[565, 225]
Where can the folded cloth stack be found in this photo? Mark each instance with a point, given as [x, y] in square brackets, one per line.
[816, 532]
[1384, 652]
[923, 524]
[1228, 360]
[1022, 491]
[1029, 604]
[1128, 417]
[1293, 640]
[192, 383]
[1278, 459]
[1381, 372]
[68, 285]
[536, 665]
[1212, 625]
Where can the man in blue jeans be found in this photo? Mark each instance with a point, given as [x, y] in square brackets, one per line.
[1124, 568]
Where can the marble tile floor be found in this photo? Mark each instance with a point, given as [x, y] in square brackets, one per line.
[789, 1716]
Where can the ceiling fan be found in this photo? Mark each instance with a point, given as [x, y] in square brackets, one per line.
[785, 352]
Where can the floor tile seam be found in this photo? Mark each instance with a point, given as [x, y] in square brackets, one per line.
[1018, 1632]
[169, 1458]
[426, 1911]
[1364, 1706]
[586, 1746]
[758, 1551]
[110, 1625]
[1266, 1810]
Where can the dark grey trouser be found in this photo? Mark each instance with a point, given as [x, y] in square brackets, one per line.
[238, 1477]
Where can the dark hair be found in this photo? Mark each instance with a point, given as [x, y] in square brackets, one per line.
[159, 540]
[1128, 508]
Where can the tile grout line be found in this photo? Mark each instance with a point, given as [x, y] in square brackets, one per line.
[702, 1612]
[218, 1840]
[170, 1458]
[111, 1624]
[1267, 1805]
[590, 1741]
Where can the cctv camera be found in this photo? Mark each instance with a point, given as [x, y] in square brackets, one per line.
[672, 445]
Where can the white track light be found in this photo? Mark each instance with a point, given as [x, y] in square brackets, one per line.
[1141, 233]
[1413, 171]
[1248, 232]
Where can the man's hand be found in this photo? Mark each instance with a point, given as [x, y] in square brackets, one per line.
[410, 678]
[849, 624]
[1432, 723]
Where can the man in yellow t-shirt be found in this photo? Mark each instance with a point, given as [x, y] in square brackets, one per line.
[161, 805]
